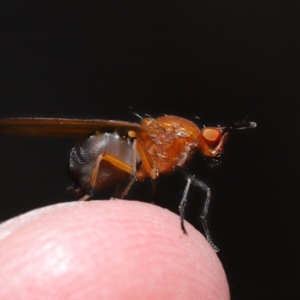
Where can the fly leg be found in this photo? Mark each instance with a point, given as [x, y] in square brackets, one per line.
[133, 171]
[192, 180]
[137, 175]
[90, 191]
[183, 203]
[111, 159]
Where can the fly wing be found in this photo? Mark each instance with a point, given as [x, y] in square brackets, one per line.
[63, 127]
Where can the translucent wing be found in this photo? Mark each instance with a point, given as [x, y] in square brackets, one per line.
[63, 127]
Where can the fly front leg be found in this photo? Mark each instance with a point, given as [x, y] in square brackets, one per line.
[192, 180]
[183, 203]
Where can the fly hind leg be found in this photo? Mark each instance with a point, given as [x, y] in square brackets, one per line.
[111, 159]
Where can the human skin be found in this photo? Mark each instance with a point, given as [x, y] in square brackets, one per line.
[114, 249]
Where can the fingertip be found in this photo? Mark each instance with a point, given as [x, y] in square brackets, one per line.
[111, 249]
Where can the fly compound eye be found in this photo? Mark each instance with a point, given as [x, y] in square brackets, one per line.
[211, 136]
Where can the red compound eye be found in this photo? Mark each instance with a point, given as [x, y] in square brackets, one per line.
[212, 136]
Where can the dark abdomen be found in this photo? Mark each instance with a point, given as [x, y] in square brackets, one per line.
[85, 153]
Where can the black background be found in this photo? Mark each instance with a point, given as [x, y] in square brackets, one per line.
[218, 60]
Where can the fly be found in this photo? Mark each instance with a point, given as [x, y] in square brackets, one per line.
[115, 151]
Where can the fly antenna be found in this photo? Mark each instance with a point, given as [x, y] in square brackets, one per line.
[248, 114]
[239, 125]
[244, 124]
